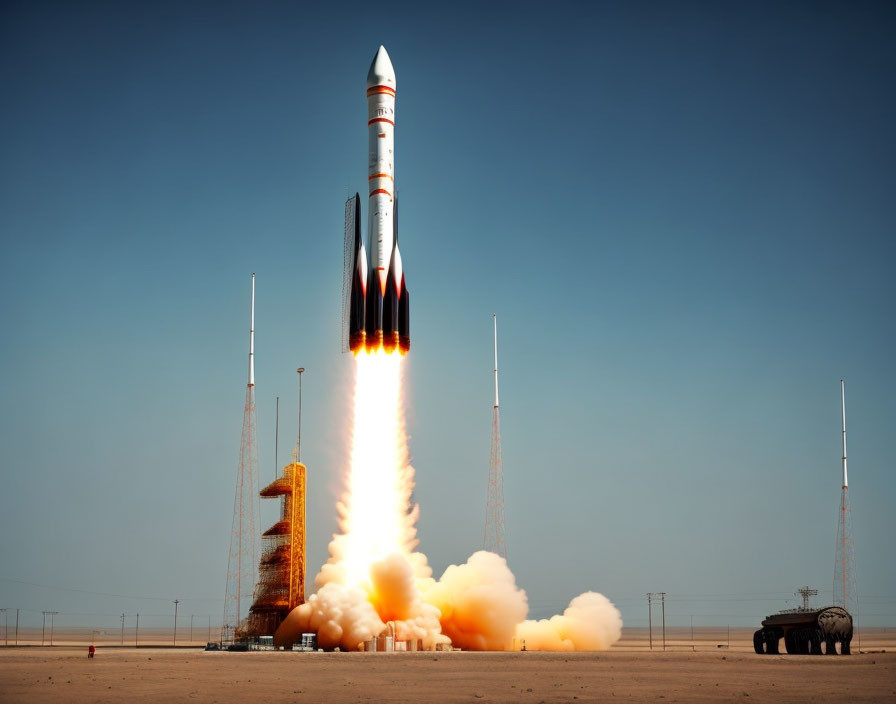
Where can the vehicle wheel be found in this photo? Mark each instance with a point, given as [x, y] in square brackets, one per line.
[789, 644]
[759, 641]
[774, 640]
[815, 637]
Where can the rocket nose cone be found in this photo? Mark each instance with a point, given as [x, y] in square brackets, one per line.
[381, 72]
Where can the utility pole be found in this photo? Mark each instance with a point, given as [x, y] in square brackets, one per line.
[650, 618]
[191, 628]
[663, 602]
[17, 626]
[122, 629]
[176, 602]
[52, 614]
[43, 627]
[693, 644]
[806, 592]
[6, 621]
[137, 630]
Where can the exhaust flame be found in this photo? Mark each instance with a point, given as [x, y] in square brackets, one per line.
[374, 515]
[374, 577]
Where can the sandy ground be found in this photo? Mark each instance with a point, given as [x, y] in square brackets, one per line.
[63, 674]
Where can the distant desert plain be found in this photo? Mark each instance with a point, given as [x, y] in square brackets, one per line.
[702, 671]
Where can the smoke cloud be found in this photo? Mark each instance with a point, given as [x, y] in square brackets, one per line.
[374, 583]
[479, 602]
[590, 622]
[474, 606]
[341, 617]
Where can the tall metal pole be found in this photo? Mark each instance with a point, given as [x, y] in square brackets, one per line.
[299, 431]
[843, 412]
[52, 614]
[843, 502]
[6, 629]
[494, 538]
[176, 602]
[241, 561]
[650, 619]
[137, 630]
[277, 439]
[252, 335]
[43, 628]
[122, 629]
[191, 628]
[495, 316]
[17, 626]
[239, 577]
[663, 603]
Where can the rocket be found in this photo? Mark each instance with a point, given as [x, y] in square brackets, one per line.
[377, 312]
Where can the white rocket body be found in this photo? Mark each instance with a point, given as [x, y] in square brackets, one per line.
[377, 310]
[381, 164]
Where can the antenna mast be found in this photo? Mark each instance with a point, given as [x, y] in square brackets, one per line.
[495, 316]
[843, 412]
[806, 592]
[252, 335]
[845, 592]
[277, 440]
[494, 540]
[242, 561]
[299, 430]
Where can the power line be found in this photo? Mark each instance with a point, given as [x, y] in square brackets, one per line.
[87, 591]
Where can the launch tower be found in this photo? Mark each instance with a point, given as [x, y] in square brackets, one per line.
[244, 531]
[281, 583]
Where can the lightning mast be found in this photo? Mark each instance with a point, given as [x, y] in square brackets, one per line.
[845, 593]
[494, 505]
[243, 559]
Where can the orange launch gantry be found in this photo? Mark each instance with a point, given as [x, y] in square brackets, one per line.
[281, 571]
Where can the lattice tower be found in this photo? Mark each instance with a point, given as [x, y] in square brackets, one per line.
[494, 506]
[243, 558]
[281, 580]
[281, 571]
[845, 591]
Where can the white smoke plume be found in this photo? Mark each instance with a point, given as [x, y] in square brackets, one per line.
[374, 583]
[480, 603]
[590, 622]
[341, 617]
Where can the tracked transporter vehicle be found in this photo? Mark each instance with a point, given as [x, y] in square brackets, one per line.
[804, 630]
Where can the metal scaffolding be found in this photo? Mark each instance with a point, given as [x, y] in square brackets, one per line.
[281, 578]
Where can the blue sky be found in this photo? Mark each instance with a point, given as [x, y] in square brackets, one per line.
[681, 212]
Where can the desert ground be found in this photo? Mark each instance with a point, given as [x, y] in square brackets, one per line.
[685, 672]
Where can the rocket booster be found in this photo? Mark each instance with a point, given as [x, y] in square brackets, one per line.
[378, 310]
